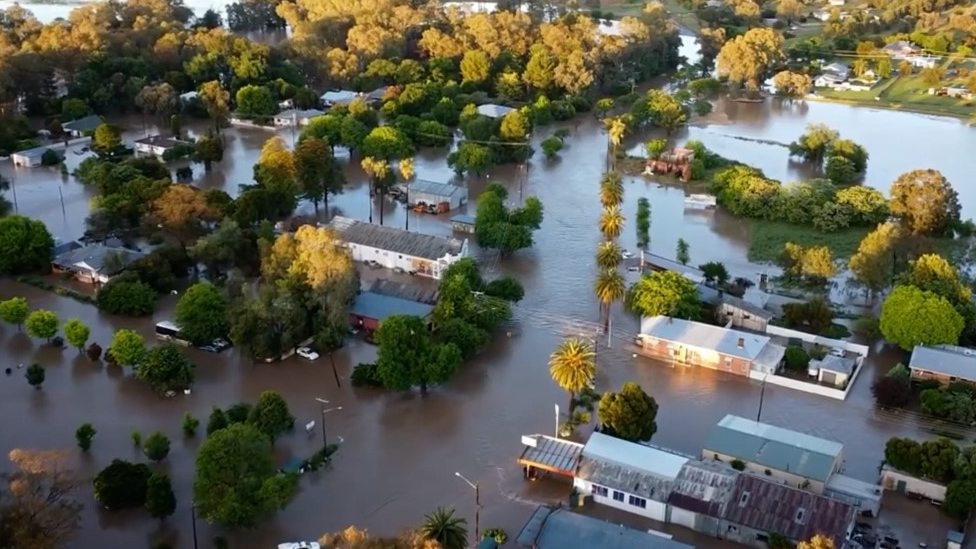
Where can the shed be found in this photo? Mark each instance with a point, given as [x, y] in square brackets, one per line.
[553, 528]
[553, 455]
[834, 370]
[492, 110]
[371, 308]
[743, 314]
[434, 193]
[30, 158]
[463, 223]
[903, 483]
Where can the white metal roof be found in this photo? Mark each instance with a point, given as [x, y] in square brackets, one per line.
[631, 455]
[705, 336]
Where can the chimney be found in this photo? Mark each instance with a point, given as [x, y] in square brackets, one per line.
[740, 343]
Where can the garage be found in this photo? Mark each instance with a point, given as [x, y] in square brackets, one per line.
[443, 197]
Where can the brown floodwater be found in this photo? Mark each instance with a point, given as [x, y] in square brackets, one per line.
[399, 452]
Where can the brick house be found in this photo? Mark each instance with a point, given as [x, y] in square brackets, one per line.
[945, 363]
[697, 344]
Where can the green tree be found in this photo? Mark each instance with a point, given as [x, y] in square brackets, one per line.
[128, 348]
[122, 485]
[507, 288]
[156, 447]
[911, 317]
[14, 311]
[386, 143]
[25, 245]
[714, 272]
[925, 202]
[611, 190]
[471, 158]
[869, 206]
[271, 416]
[217, 421]
[408, 357]
[840, 171]
[42, 324]
[84, 435]
[746, 59]
[448, 531]
[190, 425]
[160, 499]
[236, 483]
[202, 314]
[681, 252]
[931, 272]
[475, 67]
[256, 101]
[664, 293]
[107, 140]
[629, 414]
[35, 375]
[609, 288]
[73, 109]
[655, 148]
[815, 143]
[208, 150]
[165, 368]
[551, 147]
[960, 498]
[497, 227]
[126, 295]
[76, 332]
[317, 172]
[217, 102]
[573, 366]
[666, 112]
[611, 222]
[609, 254]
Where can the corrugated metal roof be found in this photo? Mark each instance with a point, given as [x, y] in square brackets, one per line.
[554, 452]
[550, 528]
[774, 447]
[96, 258]
[796, 514]
[463, 218]
[704, 487]
[394, 240]
[86, 124]
[433, 188]
[379, 306]
[639, 457]
[949, 360]
[704, 336]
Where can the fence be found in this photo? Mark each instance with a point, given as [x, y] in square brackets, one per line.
[860, 350]
[805, 386]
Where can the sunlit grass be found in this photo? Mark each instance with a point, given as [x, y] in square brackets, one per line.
[767, 239]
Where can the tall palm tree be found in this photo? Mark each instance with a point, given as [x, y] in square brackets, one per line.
[616, 128]
[611, 190]
[611, 222]
[608, 255]
[572, 366]
[443, 527]
[609, 287]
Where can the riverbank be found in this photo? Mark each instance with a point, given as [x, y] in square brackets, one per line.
[907, 93]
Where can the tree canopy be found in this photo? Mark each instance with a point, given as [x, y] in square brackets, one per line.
[629, 414]
[25, 245]
[202, 314]
[408, 356]
[911, 316]
[506, 230]
[164, 367]
[925, 202]
[665, 293]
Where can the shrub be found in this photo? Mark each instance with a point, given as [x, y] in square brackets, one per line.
[190, 424]
[365, 375]
[94, 351]
[796, 358]
[84, 436]
[136, 438]
[497, 534]
[892, 392]
[50, 158]
[156, 447]
[126, 295]
[551, 147]
[738, 464]
[868, 327]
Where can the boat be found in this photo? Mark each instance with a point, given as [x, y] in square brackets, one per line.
[300, 545]
[700, 202]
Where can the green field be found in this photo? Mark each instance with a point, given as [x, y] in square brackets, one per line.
[767, 239]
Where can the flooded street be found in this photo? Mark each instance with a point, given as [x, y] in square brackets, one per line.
[399, 452]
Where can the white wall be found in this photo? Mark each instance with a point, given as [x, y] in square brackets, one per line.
[392, 260]
[655, 510]
[683, 517]
[931, 490]
[805, 386]
[861, 350]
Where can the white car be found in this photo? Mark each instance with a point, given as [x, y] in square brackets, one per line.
[837, 351]
[626, 255]
[300, 545]
[307, 354]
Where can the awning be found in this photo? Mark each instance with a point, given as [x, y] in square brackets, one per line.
[551, 454]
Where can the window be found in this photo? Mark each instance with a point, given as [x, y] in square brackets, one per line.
[618, 496]
[744, 499]
[400, 257]
[728, 361]
[952, 378]
[762, 537]
[799, 515]
[598, 490]
[638, 502]
[746, 317]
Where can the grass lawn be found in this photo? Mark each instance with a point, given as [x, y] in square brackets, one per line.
[909, 93]
[680, 13]
[767, 238]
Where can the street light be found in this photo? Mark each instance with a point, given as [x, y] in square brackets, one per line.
[323, 402]
[477, 505]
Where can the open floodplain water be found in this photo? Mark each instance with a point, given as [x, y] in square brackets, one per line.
[399, 452]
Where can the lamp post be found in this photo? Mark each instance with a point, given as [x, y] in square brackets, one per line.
[477, 506]
[193, 517]
[323, 402]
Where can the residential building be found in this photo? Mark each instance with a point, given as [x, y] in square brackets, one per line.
[492, 110]
[655, 262]
[463, 223]
[901, 48]
[699, 495]
[296, 117]
[338, 98]
[786, 456]
[760, 508]
[393, 248]
[821, 15]
[30, 158]
[82, 126]
[371, 308]
[628, 476]
[555, 528]
[833, 75]
[435, 194]
[61, 247]
[158, 145]
[944, 363]
[740, 313]
[95, 263]
[697, 344]
[922, 61]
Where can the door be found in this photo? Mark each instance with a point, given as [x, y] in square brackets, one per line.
[830, 378]
[682, 517]
[901, 487]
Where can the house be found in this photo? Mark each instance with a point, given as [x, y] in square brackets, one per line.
[82, 126]
[463, 223]
[628, 476]
[697, 344]
[492, 110]
[433, 193]
[945, 363]
[394, 248]
[556, 528]
[837, 71]
[901, 48]
[158, 145]
[833, 370]
[64, 247]
[338, 98]
[296, 117]
[95, 263]
[789, 457]
[655, 262]
[677, 161]
[376, 96]
[742, 314]
[821, 15]
[760, 508]
[898, 481]
[371, 308]
[922, 61]
[30, 158]
[699, 495]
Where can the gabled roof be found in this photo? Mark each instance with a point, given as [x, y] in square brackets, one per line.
[550, 528]
[394, 240]
[704, 487]
[86, 124]
[797, 515]
[95, 258]
[774, 447]
[634, 468]
[705, 336]
[379, 307]
[947, 360]
[492, 110]
[339, 96]
[445, 190]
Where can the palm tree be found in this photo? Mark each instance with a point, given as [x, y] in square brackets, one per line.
[611, 190]
[616, 128]
[608, 255]
[611, 222]
[446, 529]
[572, 366]
[609, 287]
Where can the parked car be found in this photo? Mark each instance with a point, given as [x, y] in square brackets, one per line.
[837, 351]
[307, 353]
[216, 346]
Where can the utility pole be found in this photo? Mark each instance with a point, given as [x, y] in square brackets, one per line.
[334, 372]
[762, 396]
[193, 518]
[323, 402]
[477, 506]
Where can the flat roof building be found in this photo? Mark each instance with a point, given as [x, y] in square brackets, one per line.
[370, 309]
[550, 528]
[434, 193]
[794, 458]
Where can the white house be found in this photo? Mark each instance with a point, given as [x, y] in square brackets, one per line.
[158, 145]
[922, 61]
[296, 117]
[30, 158]
[338, 98]
[628, 476]
[492, 110]
[393, 248]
